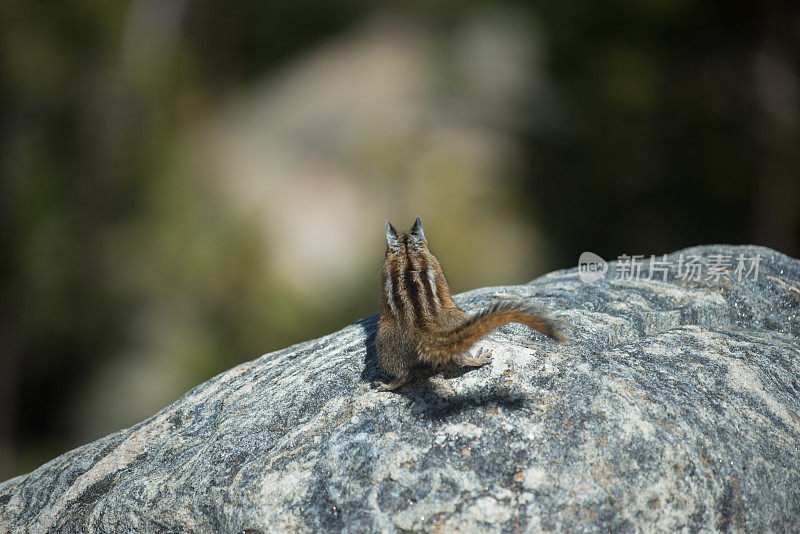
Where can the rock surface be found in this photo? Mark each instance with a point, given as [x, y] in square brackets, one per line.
[673, 406]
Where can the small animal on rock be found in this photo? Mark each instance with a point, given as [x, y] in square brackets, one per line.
[421, 326]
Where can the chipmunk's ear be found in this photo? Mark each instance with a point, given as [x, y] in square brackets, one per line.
[391, 237]
[416, 230]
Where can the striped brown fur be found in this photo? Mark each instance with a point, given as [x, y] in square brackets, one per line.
[420, 324]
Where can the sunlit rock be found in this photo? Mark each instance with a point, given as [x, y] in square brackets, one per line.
[673, 406]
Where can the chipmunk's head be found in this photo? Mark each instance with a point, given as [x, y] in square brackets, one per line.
[406, 242]
[412, 278]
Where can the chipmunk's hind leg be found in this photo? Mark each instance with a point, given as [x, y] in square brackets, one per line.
[394, 384]
[483, 357]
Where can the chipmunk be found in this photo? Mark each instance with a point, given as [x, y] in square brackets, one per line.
[420, 324]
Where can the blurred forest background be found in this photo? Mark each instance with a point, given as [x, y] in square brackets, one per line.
[189, 184]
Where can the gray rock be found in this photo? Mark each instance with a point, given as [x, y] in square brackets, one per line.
[673, 406]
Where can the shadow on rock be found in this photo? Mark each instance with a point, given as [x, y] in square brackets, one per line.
[436, 406]
[372, 370]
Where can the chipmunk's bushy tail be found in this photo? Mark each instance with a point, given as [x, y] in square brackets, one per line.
[443, 347]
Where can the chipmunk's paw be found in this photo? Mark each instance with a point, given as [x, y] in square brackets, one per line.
[394, 384]
[484, 356]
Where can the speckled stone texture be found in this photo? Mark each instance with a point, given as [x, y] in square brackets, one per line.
[673, 406]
